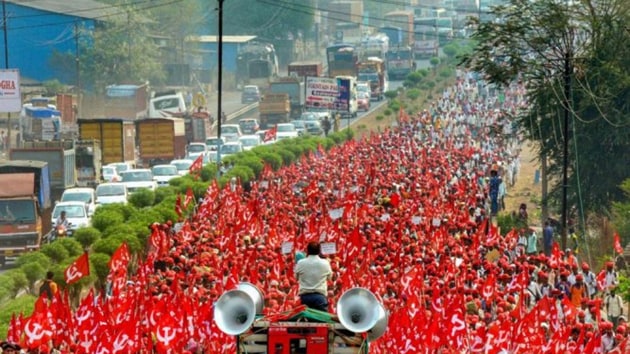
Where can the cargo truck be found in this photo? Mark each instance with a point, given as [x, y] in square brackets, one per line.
[274, 108]
[126, 101]
[373, 70]
[25, 207]
[160, 140]
[294, 87]
[117, 137]
[305, 68]
[60, 156]
[88, 162]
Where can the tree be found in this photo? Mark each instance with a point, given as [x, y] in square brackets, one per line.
[532, 42]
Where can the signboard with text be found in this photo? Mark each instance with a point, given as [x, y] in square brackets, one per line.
[10, 97]
[343, 100]
[321, 92]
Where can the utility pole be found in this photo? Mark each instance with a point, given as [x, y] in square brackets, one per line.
[219, 82]
[6, 62]
[568, 57]
[78, 67]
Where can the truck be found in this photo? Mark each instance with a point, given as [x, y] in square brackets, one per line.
[160, 140]
[40, 120]
[88, 162]
[294, 87]
[305, 68]
[126, 101]
[372, 70]
[117, 137]
[274, 108]
[60, 156]
[400, 62]
[25, 206]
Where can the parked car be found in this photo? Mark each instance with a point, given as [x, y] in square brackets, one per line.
[213, 143]
[249, 141]
[320, 113]
[248, 125]
[231, 148]
[309, 116]
[193, 150]
[299, 126]
[250, 94]
[285, 131]
[110, 174]
[313, 127]
[363, 101]
[138, 178]
[85, 195]
[183, 166]
[76, 213]
[164, 173]
[231, 132]
[108, 193]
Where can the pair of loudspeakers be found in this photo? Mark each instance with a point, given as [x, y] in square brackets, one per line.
[358, 310]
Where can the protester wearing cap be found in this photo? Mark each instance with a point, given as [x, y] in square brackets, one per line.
[312, 274]
[613, 304]
[10, 348]
[574, 273]
[608, 337]
[578, 291]
[590, 280]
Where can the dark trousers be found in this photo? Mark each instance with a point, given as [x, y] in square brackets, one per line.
[315, 301]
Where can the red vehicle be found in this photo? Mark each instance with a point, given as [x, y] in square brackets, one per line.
[363, 101]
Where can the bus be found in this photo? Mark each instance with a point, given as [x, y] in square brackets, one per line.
[375, 46]
[394, 34]
[426, 43]
[342, 60]
[400, 62]
[404, 20]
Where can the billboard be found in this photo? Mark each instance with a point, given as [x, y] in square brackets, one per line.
[10, 97]
[321, 92]
[343, 100]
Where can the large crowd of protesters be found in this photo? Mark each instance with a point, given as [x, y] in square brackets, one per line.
[406, 213]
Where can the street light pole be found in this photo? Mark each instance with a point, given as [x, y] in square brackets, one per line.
[6, 61]
[565, 163]
[219, 83]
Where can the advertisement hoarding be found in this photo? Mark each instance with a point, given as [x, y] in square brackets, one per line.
[10, 97]
[321, 92]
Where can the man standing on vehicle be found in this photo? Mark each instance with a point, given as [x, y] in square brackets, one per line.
[312, 274]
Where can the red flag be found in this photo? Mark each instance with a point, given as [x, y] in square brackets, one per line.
[618, 247]
[601, 279]
[178, 205]
[78, 269]
[196, 166]
[270, 134]
[118, 268]
[190, 197]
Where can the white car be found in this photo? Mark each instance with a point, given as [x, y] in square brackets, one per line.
[120, 166]
[110, 174]
[137, 179]
[249, 141]
[164, 173]
[76, 214]
[183, 166]
[213, 143]
[193, 150]
[231, 148]
[286, 131]
[85, 195]
[231, 132]
[365, 88]
[109, 193]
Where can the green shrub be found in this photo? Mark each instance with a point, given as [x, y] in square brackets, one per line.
[413, 94]
[107, 218]
[435, 61]
[33, 272]
[86, 236]
[387, 112]
[208, 172]
[414, 79]
[164, 192]
[19, 279]
[274, 160]
[99, 262]
[288, 157]
[71, 245]
[254, 163]
[22, 304]
[117, 230]
[391, 94]
[446, 73]
[55, 251]
[242, 173]
[379, 117]
[142, 198]
[7, 283]
[450, 50]
[33, 257]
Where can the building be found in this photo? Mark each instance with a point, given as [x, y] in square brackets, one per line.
[37, 30]
[204, 48]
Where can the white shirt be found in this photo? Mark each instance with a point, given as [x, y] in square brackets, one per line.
[312, 273]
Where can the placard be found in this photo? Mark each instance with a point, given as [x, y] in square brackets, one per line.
[329, 248]
[416, 220]
[287, 247]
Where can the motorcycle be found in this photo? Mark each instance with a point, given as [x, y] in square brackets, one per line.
[58, 231]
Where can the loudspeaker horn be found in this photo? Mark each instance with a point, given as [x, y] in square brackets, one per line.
[358, 310]
[380, 327]
[236, 310]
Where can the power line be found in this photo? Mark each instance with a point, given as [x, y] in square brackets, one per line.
[50, 13]
[122, 12]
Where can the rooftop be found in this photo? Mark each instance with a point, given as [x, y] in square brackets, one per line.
[226, 39]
